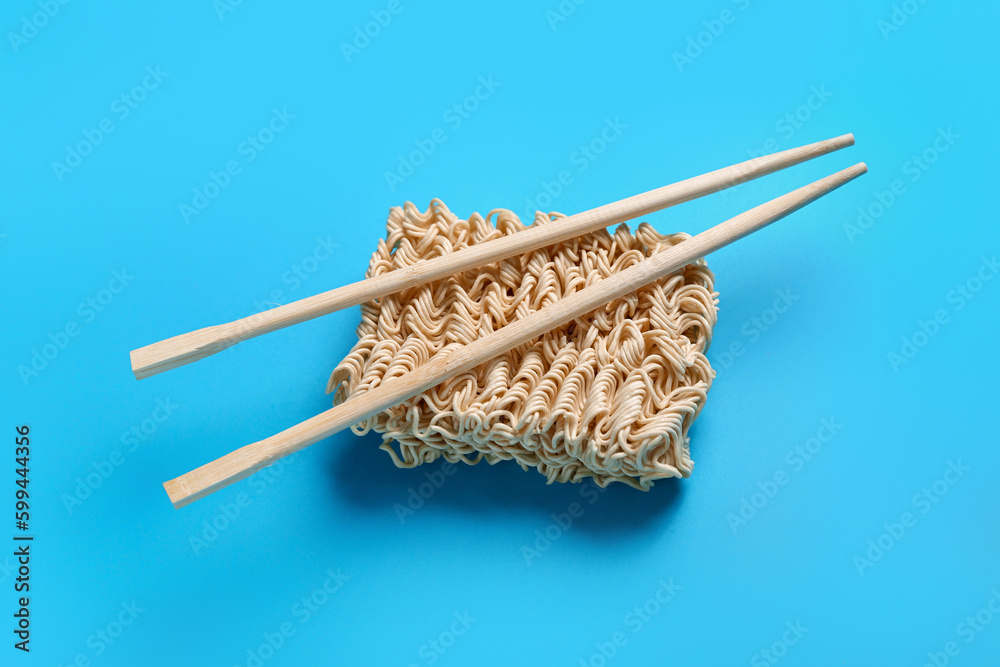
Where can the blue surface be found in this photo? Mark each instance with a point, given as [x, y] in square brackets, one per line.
[818, 573]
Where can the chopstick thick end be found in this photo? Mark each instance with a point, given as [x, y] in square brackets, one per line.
[179, 497]
[179, 350]
[195, 485]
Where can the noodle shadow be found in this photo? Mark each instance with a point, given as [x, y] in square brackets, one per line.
[364, 475]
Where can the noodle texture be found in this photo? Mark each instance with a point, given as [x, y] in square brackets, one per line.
[609, 396]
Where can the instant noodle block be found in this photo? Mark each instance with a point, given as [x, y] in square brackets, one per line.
[608, 396]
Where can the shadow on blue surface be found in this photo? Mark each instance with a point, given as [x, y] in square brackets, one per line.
[363, 475]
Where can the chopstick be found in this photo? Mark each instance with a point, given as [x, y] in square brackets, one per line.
[245, 461]
[186, 348]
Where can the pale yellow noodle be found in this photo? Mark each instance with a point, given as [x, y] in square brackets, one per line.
[609, 396]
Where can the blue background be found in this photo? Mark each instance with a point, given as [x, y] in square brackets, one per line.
[557, 83]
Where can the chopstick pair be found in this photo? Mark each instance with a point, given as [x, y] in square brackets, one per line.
[243, 462]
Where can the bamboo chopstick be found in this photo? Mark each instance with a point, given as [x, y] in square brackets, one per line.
[184, 349]
[245, 461]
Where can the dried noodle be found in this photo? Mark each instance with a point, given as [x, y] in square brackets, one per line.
[609, 396]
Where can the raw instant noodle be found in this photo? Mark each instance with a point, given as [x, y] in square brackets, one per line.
[609, 396]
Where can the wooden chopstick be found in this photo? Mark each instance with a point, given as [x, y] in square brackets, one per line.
[184, 349]
[245, 461]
